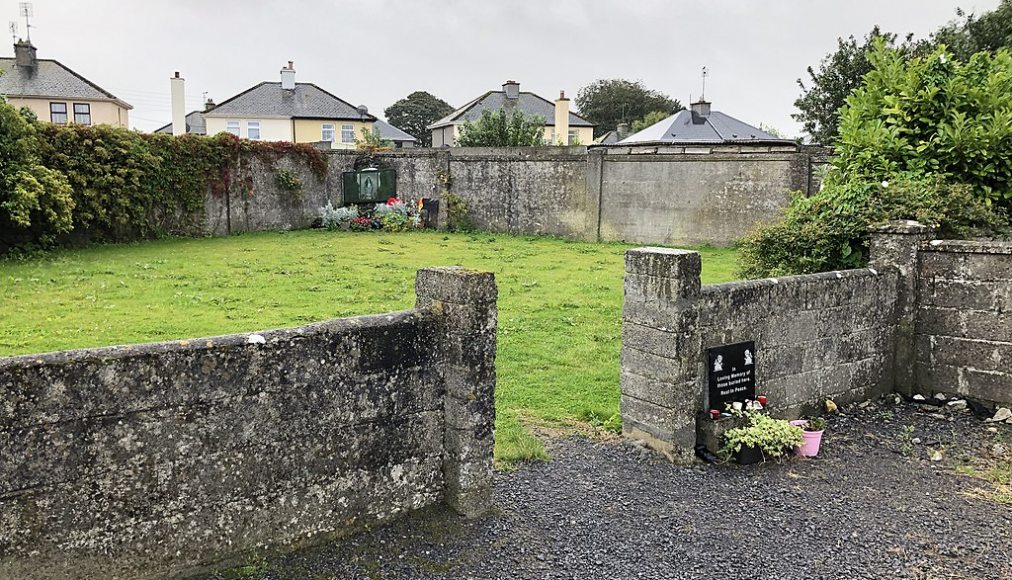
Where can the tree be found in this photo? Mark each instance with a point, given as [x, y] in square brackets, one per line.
[839, 73]
[415, 112]
[649, 119]
[842, 71]
[608, 102]
[926, 138]
[969, 33]
[31, 195]
[503, 128]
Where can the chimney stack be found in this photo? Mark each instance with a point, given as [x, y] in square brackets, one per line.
[512, 90]
[24, 54]
[177, 89]
[288, 77]
[700, 111]
[562, 119]
[209, 104]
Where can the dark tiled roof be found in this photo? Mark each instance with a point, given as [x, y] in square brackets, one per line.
[388, 131]
[49, 78]
[529, 103]
[715, 128]
[195, 124]
[268, 99]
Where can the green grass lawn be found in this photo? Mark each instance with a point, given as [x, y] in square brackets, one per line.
[559, 304]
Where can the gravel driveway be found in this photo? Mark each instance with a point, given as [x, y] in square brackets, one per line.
[873, 505]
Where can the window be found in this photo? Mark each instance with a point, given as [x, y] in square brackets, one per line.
[252, 129]
[82, 113]
[232, 127]
[328, 132]
[574, 136]
[58, 113]
[347, 133]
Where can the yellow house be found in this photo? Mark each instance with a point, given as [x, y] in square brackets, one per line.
[289, 111]
[55, 93]
[562, 127]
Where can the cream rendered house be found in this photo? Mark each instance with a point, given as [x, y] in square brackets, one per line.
[55, 93]
[284, 111]
[561, 126]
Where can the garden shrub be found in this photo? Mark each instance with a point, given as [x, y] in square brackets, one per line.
[926, 138]
[335, 218]
[35, 201]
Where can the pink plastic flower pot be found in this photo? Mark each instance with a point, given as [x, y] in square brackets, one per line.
[810, 448]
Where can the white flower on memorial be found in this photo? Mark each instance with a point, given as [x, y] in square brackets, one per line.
[256, 339]
[941, 58]
[885, 183]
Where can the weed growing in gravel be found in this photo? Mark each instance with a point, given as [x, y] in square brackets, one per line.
[907, 440]
[999, 474]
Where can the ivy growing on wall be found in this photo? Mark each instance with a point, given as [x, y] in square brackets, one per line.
[124, 185]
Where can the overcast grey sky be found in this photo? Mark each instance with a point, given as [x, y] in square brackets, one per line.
[375, 52]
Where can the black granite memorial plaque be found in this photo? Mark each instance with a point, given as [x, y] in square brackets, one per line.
[731, 373]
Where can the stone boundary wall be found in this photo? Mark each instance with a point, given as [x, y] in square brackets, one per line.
[700, 194]
[964, 319]
[816, 336]
[160, 460]
[926, 317]
[648, 195]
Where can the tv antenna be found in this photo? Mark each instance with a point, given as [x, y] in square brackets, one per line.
[14, 31]
[27, 12]
[702, 95]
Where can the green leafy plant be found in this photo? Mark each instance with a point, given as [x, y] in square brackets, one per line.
[814, 424]
[503, 128]
[35, 201]
[775, 437]
[457, 217]
[372, 142]
[906, 438]
[925, 138]
[287, 180]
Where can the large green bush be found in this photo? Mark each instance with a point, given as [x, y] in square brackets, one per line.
[926, 138]
[32, 197]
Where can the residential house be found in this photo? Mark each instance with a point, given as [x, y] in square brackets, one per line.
[562, 127]
[283, 111]
[399, 138]
[701, 125]
[55, 93]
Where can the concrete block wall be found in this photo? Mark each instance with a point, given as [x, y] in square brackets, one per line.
[817, 336]
[159, 460]
[964, 319]
[926, 317]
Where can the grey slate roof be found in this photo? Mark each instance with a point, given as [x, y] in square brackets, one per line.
[715, 128]
[389, 132]
[49, 78]
[195, 124]
[268, 99]
[529, 103]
